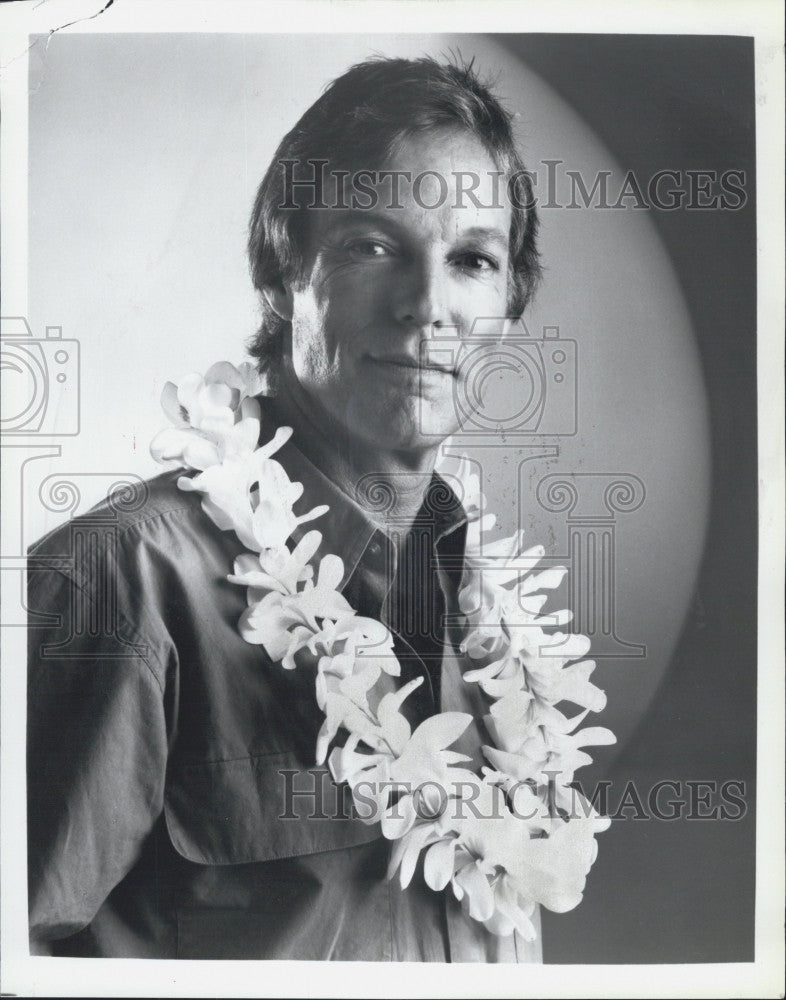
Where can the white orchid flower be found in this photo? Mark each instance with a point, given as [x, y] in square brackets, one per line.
[498, 870]
[284, 623]
[268, 623]
[463, 849]
[213, 417]
[321, 599]
[355, 651]
[233, 491]
[553, 870]
[569, 683]
[403, 761]
[201, 402]
[536, 742]
[276, 568]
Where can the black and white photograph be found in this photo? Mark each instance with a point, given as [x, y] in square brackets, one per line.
[392, 535]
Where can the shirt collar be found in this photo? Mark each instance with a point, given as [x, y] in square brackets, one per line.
[347, 529]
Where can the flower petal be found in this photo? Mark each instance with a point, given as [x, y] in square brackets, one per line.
[438, 864]
[480, 896]
[399, 818]
[171, 406]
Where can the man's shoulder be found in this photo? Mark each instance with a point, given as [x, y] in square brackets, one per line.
[131, 510]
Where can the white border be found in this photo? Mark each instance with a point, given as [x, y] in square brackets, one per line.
[761, 19]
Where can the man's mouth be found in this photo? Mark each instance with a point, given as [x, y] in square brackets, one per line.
[407, 362]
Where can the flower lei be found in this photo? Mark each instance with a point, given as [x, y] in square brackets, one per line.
[511, 837]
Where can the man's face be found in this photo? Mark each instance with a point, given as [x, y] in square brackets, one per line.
[379, 283]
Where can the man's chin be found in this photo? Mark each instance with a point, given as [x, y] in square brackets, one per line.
[420, 433]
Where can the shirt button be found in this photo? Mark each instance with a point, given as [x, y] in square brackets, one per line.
[375, 549]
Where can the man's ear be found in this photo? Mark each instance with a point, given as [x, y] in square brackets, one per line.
[279, 297]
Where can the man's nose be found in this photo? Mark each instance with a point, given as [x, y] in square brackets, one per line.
[421, 295]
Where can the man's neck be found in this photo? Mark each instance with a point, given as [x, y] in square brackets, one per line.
[389, 485]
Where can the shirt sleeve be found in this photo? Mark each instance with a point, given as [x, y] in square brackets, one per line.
[96, 754]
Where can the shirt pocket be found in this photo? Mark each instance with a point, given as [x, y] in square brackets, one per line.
[258, 808]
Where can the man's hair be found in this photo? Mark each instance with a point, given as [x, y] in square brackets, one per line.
[356, 123]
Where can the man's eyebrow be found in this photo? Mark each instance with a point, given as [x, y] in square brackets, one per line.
[357, 218]
[490, 235]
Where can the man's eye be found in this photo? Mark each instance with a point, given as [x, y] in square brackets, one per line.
[477, 262]
[368, 248]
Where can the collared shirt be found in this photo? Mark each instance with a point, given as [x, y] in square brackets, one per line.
[174, 808]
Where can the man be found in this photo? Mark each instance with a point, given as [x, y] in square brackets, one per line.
[174, 806]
